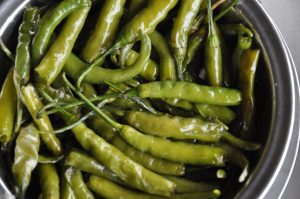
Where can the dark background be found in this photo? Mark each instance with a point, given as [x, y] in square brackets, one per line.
[286, 15]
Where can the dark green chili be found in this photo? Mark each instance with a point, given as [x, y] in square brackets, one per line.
[50, 22]
[104, 188]
[244, 42]
[23, 55]
[249, 61]
[213, 54]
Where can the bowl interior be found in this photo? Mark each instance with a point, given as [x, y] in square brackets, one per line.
[273, 95]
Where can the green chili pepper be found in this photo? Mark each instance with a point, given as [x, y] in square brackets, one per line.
[34, 104]
[150, 71]
[104, 188]
[187, 186]
[66, 191]
[100, 75]
[213, 54]
[175, 127]
[77, 184]
[146, 20]
[23, 59]
[249, 61]
[84, 162]
[129, 171]
[167, 70]
[244, 42]
[234, 29]
[150, 162]
[194, 43]
[134, 7]
[106, 28]
[179, 33]
[56, 57]
[8, 106]
[26, 157]
[191, 92]
[222, 113]
[49, 181]
[50, 22]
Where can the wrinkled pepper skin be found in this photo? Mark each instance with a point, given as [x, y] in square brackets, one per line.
[26, 157]
[103, 187]
[191, 92]
[168, 126]
[151, 162]
[77, 184]
[126, 169]
[181, 28]
[33, 103]
[48, 24]
[23, 53]
[8, 107]
[105, 31]
[54, 60]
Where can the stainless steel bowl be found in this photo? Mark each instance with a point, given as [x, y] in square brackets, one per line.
[277, 97]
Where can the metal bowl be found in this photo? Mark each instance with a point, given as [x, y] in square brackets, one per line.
[277, 99]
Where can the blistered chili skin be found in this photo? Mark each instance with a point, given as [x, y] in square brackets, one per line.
[25, 157]
[130, 172]
[55, 58]
[105, 30]
[175, 127]
[191, 92]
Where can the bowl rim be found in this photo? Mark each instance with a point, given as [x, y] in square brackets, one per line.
[268, 168]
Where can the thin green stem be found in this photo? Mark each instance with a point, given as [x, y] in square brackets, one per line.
[113, 123]
[225, 10]
[7, 51]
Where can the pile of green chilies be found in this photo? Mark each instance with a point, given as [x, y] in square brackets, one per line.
[128, 99]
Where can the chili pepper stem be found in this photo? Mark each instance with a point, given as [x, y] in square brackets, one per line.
[91, 105]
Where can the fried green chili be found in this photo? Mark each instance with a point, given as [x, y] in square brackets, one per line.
[179, 34]
[104, 33]
[33, 103]
[8, 106]
[150, 162]
[249, 61]
[62, 10]
[26, 157]
[23, 54]
[49, 181]
[77, 184]
[191, 92]
[104, 188]
[97, 74]
[213, 54]
[56, 57]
